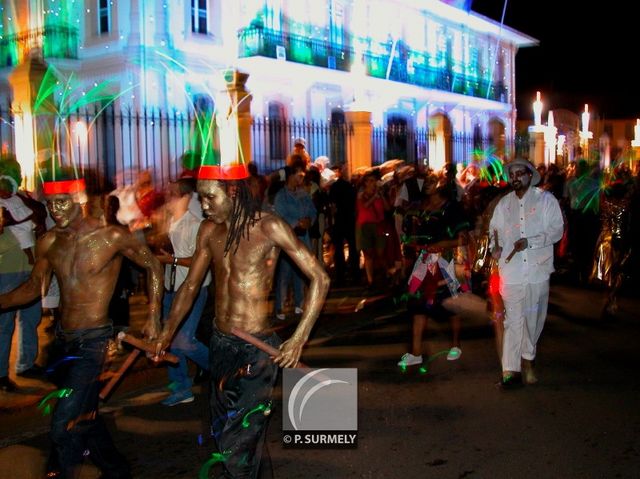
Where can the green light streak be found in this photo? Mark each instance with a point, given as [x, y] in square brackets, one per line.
[59, 394]
[258, 408]
[215, 458]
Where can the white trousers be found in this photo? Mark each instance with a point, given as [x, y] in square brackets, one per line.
[525, 313]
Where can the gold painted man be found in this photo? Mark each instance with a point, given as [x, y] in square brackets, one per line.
[242, 245]
[85, 256]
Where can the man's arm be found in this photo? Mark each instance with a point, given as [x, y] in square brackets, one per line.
[495, 232]
[141, 255]
[552, 221]
[38, 283]
[189, 289]
[277, 230]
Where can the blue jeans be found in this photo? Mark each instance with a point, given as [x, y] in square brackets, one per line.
[29, 318]
[288, 273]
[76, 425]
[184, 344]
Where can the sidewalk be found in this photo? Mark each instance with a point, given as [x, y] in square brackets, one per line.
[344, 309]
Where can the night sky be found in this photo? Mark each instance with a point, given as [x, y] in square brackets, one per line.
[586, 55]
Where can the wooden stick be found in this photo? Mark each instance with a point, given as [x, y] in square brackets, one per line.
[133, 355]
[513, 252]
[106, 390]
[261, 345]
[146, 347]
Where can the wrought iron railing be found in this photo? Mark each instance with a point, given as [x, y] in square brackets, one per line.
[55, 41]
[407, 65]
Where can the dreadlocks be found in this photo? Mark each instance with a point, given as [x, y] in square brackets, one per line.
[245, 211]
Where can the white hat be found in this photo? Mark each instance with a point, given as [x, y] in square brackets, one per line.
[300, 141]
[535, 175]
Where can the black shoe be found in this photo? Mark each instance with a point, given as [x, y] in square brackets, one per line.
[512, 381]
[202, 376]
[34, 372]
[7, 385]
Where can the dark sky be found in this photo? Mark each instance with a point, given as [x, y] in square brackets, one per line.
[587, 54]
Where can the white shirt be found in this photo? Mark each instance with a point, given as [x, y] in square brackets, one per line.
[538, 218]
[19, 211]
[183, 233]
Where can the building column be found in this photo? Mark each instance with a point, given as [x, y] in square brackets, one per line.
[31, 134]
[536, 145]
[359, 147]
[240, 110]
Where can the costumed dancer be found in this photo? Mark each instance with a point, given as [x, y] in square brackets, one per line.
[242, 244]
[612, 248]
[528, 222]
[80, 251]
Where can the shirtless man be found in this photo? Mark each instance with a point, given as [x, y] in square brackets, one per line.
[86, 258]
[242, 244]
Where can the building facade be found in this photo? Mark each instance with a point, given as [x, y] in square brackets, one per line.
[414, 65]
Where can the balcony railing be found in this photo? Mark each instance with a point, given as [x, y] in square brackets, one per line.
[55, 41]
[408, 66]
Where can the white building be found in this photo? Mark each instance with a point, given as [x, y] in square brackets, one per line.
[414, 64]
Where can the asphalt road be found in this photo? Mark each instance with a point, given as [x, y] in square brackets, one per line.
[450, 421]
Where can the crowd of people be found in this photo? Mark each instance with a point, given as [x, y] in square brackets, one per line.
[485, 228]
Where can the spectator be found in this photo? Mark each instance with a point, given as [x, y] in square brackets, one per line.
[299, 149]
[294, 205]
[370, 208]
[183, 230]
[342, 197]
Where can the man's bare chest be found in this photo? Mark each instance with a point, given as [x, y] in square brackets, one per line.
[80, 256]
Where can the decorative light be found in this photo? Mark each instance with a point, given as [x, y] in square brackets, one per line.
[537, 111]
[636, 135]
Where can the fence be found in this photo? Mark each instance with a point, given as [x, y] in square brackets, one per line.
[110, 147]
[272, 141]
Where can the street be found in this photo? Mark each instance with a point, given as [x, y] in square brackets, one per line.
[450, 421]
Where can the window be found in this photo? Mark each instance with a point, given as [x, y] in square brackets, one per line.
[199, 16]
[277, 132]
[104, 17]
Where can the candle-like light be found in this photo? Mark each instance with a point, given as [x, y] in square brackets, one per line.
[585, 119]
[537, 110]
[636, 135]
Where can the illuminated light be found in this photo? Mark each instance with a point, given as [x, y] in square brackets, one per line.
[636, 135]
[537, 112]
[423, 370]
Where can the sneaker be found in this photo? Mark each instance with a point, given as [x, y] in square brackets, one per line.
[180, 397]
[280, 316]
[454, 353]
[298, 310]
[409, 359]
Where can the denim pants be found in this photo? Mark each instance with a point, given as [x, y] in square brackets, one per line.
[239, 408]
[76, 425]
[288, 273]
[184, 344]
[28, 320]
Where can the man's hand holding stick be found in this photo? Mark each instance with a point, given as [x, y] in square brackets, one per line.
[139, 346]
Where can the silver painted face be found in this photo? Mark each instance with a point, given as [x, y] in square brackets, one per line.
[63, 209]
[216, 204]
